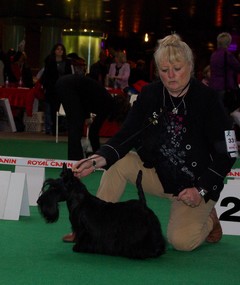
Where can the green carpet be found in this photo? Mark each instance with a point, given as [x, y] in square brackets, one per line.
[32, 251]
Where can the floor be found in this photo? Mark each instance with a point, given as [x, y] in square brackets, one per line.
[31, 136]
[37, 136]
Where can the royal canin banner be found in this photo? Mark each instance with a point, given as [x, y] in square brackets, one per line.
[56, 163]
[35, 162]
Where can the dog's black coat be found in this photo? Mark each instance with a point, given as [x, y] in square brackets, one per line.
[127, 229]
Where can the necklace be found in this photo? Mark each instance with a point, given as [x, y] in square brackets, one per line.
[175, 108]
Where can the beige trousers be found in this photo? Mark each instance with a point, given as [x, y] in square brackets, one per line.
[187, 228]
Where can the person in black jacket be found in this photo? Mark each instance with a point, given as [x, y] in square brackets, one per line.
[56, 65]
[184, 143]
[80, 96]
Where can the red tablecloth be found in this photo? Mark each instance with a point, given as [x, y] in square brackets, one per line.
[115, 92]
[19, 97]
[109, 129]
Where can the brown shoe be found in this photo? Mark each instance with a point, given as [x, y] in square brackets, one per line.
[69, 237]
[216, 234]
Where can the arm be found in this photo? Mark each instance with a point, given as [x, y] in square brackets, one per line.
[85, 167]
[119, 145]
[112, 70]
[124, 72]
[221, 159]
[212, 124]
[233, 62]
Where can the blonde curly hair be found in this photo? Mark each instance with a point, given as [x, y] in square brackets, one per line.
[224, 40]
[173, 49]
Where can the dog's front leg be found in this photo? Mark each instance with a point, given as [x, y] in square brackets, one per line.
[82, 242]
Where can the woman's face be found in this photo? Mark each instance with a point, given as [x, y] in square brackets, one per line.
[59, 51]
[174, 75]
[116, 59]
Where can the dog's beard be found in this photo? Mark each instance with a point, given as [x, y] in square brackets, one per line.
[48, 207]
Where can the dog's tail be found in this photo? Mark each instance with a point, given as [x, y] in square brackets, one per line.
[139, 187]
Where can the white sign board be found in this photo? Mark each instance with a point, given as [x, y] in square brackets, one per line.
[228, 208]
[13, 196]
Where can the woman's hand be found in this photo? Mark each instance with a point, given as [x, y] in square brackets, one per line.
[190, 197]
[86, 166]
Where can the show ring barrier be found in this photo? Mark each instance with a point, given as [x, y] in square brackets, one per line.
[13, 196]
[228, 206]
[34, 170]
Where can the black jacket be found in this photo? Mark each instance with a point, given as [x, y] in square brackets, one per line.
[51, 75]
[202, 160]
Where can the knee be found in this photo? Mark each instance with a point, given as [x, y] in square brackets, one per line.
[182, 241]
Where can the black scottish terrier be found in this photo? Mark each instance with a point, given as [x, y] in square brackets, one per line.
[127, 229]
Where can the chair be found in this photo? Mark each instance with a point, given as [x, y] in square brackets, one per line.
[133, 98]
[62, 113]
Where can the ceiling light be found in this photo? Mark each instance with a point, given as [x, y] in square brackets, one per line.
[146, 38]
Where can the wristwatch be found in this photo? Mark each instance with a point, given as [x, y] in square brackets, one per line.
[202, 192]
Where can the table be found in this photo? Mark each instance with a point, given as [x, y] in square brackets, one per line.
[19, 98]
[108, 128]
[115, 92]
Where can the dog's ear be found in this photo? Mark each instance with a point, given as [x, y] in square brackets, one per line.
[64, 167]
[66, 174]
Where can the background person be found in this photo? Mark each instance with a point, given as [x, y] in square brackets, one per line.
[224, 68]
[119, 72]
[99, 69]
[56, 65]
[206, 75]
[180, 148]
[78, 64]
[2, 65]
[80, 96]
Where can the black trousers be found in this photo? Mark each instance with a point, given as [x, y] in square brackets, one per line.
[77, 101]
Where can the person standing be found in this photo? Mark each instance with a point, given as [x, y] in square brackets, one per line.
[99, 69]
[119, 72]
[80, 96]
[180, 132]
[56, 65]
[206, 75]
[224, 68]
[2, 65]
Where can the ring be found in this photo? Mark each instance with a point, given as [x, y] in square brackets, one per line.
[94, 163]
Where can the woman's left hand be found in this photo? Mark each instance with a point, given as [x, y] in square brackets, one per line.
[190, 197]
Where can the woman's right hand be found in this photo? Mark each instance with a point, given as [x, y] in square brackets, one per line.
[86, 166]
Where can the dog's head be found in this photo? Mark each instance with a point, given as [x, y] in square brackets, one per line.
[52, 192]
[58, 190]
